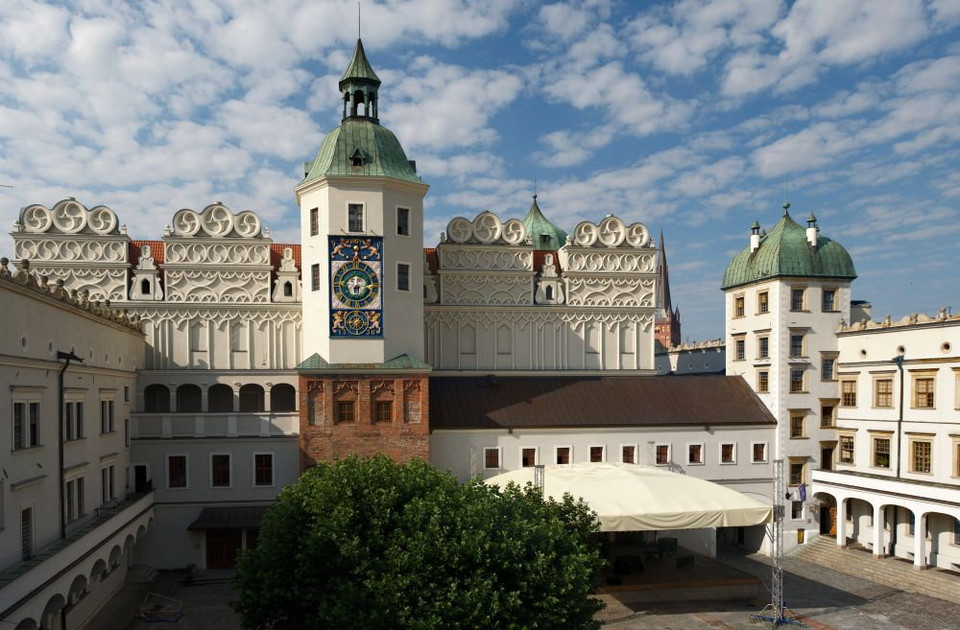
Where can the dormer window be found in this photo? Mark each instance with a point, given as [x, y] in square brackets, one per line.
[544, 239]
[358, 158]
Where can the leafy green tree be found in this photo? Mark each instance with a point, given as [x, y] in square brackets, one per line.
[367, 543]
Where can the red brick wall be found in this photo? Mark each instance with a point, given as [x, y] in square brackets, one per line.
[405, 436]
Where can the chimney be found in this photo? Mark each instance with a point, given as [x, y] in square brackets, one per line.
[812, 230]
[754, 237]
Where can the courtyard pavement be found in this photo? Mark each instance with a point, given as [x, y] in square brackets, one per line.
[824, 599]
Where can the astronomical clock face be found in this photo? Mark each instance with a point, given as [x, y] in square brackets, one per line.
[356, 304]
[356, 285]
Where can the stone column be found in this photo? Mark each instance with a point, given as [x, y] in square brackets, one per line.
[878, 526]
[919, 541]
[841, 522]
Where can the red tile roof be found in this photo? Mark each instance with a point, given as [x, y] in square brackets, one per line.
[276, 254]
[156, 250]
[538, 257]
[433, 261]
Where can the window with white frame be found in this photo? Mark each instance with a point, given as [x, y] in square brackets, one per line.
[563, 454]
[529, 456]
[740, 344]
[796, 510]
[598, 454]
[74, 499]
[923, 388]
[661, 454]
[695, 454]
[883, 392]
[176, 472]
[263, 469]
[73, 428]
[403, 221]
[106, 416]
[315, 277]
[403, 277]
[355, 217]
[107, 483]
[758, 452]
[846, 449]
[491, 458]
[921, 455]
[220, 470]
[728, 452]
[628, 453]
[26, 423]
[881, 451]
[848, 393]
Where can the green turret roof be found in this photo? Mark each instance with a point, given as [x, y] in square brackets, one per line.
[544, 235]
[361, 147]
[359, 67]
[784, 251]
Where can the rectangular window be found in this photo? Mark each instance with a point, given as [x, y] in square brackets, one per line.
[741, 345]
[662, 454]
[71, 506]
[695, 453]
[403, 221]
[759, 452]
[763, 381]
[796, 299]
[126, 432]
[846, 449]
[403, 277]
[176, 471]
[107, 484]
[923, 392]
[763, 347]
[848, 393]
[827, 365]
[79, 429]
[728, 453]
[628, 454]
[315, 277]
[220, 470]
[106, 416]
[797, 425]
[563, 454]
[81, 497]
[355, 217]
[829, 300]
[26, 424]
[921, 453]
[738, 306]
[528, 457]
[763, 302]
[68, 422]
[881, 452]
[263, 469]
[796, 510]
[26, 533]
[598, 453]
[796, 380]
[883, 392]
[797, 470]
[383, 412]
[346, 411]
[491, 458]
[826, 416]
[314, 221]
[796, 345]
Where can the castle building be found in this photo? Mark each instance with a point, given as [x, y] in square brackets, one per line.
[253, 360]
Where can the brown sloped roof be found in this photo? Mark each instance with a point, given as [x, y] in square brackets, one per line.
[433, 260]
[588, 401]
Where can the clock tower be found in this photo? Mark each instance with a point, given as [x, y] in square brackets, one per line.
[363, 385]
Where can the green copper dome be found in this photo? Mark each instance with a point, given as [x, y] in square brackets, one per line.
[784, 251]
[359, 68]
[544, 235]
[360, 147]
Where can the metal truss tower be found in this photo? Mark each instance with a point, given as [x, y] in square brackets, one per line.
[776, 612]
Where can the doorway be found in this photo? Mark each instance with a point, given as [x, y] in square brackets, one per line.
[222, 548]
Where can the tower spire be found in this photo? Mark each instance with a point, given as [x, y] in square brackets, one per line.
[358, 87]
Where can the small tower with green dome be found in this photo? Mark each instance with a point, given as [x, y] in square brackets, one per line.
[787, 292]
[544, 235]
[362, 378]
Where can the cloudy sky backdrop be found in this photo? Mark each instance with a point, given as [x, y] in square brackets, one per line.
[685, 115]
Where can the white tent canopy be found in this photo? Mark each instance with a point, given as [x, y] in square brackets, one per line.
[628, 497]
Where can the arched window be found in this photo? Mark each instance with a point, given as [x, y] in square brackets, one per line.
[156, 399]
[549, 293]
[283, 397]
[220, 398]
[189, 399]
[251, 398]
[288, 289]
[145, 286]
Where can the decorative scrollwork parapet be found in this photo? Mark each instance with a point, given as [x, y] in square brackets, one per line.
[189, 252]
[67, 249]
[272, 314]
[183, 285]
[216, 221]
[594, 260]
[473, 257]
[68, 216]
[486, 229]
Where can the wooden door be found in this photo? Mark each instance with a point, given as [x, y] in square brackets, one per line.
[222, 548]
[833, 521]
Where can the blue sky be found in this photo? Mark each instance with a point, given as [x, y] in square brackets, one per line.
[684, 115]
